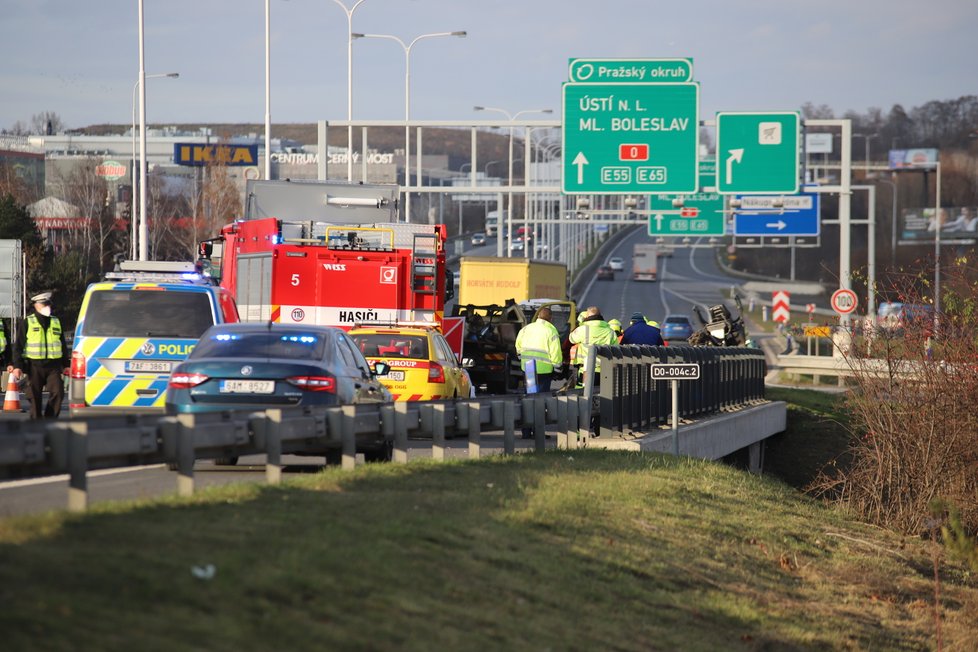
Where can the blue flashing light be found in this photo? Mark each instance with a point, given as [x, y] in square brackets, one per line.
[301, 339]
[277, 239]
[225, 337]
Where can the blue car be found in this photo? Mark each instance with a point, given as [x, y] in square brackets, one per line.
[676, 327]
[253, 366]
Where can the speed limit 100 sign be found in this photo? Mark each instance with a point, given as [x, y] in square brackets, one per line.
[844, 301]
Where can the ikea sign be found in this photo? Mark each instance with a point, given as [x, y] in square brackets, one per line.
[199, 154]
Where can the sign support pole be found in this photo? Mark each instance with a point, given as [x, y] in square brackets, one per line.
[675, 417]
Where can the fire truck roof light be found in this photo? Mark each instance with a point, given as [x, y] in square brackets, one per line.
[372, 202]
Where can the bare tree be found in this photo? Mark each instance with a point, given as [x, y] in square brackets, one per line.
[46, 122]
[915, 437]
[90, 194]
[214, 202]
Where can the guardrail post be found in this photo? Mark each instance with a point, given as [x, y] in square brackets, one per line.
[475, 432]
[349, 437]
[583, 421]
[438, 432]
[509, 425]
[273, 446]
[400, 432]
[539, 423]
[562, 422]
[185, 454]
[77, 466]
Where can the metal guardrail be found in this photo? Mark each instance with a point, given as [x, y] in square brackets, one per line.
[627, 400]
[851, 366]
[39, 448]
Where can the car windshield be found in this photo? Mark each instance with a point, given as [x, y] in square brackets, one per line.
[392, 345]
[261, 344]
[148, 313]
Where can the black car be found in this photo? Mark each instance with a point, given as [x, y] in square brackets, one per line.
[606, 273]
[253, 366]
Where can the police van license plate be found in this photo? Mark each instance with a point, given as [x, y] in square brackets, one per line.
[151, 366]
[395, 375]
[247, 386]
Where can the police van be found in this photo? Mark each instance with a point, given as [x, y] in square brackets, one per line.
[133, 328]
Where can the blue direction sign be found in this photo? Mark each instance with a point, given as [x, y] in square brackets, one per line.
[630, 138]
[772, 215]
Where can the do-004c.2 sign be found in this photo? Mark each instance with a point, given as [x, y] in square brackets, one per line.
[844, 301]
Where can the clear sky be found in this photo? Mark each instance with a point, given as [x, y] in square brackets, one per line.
[80, 59]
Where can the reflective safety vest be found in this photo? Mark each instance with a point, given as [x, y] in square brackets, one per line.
[3, 341]
[41, 344]
[539, 341]
[587, 335]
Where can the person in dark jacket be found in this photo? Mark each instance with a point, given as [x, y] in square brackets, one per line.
[43, 354]
[640, 332]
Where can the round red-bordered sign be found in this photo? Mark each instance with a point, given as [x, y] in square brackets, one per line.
[844, 301]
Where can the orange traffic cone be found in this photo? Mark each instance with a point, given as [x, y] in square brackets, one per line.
[11, 400]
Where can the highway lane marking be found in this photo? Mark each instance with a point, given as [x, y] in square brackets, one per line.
[30, 482]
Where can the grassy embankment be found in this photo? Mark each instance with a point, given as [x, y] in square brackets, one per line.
[587, 550]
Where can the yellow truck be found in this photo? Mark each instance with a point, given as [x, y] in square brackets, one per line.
[485, 280]
[497, 297]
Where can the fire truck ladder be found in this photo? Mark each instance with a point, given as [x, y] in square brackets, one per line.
[424, 255]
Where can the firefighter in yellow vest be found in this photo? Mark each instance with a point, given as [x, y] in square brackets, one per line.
[44, 355]
[539, 342]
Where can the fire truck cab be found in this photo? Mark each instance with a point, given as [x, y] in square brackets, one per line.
[332, 273]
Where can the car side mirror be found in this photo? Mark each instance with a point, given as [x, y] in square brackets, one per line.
[381, 368]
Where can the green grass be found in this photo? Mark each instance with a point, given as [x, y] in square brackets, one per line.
[581, 550]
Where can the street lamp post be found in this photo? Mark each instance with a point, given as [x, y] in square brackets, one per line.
[509, 201]
[132, 213]
[349, 84]
[407, 103]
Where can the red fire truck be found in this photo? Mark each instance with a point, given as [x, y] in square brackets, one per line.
[342, 274]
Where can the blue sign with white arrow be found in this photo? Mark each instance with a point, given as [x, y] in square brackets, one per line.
[777, 215]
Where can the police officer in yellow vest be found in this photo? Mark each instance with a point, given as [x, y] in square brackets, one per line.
[44, 355]
[539, 342]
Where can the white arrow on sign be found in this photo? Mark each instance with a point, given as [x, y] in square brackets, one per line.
[780, 224]
[580, 161]
[735, 157]
[658, 222]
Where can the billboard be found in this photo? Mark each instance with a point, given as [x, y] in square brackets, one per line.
[910, 159]
[959, 225]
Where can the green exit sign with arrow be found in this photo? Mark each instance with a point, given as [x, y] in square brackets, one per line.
[757, 153]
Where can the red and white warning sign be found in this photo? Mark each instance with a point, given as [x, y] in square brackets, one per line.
[810, 308]
[781, 306]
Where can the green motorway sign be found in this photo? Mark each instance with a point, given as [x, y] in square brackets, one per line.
[701, 213]
[630, 138]
[757, 153]
[630, 70]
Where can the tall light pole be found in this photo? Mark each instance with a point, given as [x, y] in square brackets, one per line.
[268, 90]
[509, 201]
[349, 84]
[132, 202]
[407, 103]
